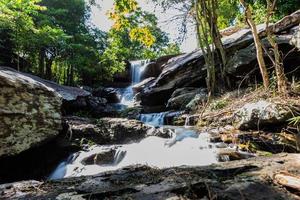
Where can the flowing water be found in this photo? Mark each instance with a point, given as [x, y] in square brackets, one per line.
[137, 68]
[185, 147]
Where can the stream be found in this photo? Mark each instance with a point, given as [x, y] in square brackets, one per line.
[185, 147]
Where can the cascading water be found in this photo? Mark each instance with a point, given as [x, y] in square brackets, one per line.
[137, 68]
[186, 147]
[154, 119]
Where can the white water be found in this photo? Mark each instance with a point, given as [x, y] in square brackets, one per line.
[154, 119]
[137, 68]
[186, 147]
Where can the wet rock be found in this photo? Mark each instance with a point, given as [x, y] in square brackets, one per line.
[110, 94]
[107, 130]
[248, 179]
[30, 112]
[102, 158]
[143, 84]
[154, 68]
[259, 114]
[131, 113]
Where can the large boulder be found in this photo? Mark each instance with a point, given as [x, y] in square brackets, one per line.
[73, 98]
[30, 112]
[153, 69]
[259, 114]
[110, 94]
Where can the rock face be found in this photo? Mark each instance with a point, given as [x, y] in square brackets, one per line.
[188, 70]
[154, 68]
[182, 96]
[244, 179]
[30, 112]
[107, 130]
[259, 114]
[110, 94]
[143, 84]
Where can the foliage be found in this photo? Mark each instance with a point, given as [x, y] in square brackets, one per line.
[134, 35]
[295, 121]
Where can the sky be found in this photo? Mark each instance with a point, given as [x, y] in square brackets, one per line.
[189, 44]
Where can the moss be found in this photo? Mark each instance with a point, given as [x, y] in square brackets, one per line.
[264, 153]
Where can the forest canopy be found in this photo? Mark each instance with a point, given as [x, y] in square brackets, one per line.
[56, 40]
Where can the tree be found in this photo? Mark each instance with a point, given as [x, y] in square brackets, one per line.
[134, 35]
[277, 61]
[16, 16]
[258, 44]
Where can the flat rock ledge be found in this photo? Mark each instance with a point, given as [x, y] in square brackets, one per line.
[245, 179]
[109, 130]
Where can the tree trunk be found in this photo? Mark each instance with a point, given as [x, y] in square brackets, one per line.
[42, 62]
[48, 69]
[206, 48]
[258, 45]
[216, 37]
[277, 61]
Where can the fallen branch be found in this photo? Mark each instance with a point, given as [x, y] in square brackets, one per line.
[288, 180]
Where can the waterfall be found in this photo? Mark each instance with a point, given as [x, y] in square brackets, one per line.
[187, 121]
[154, 119]
[137, 68]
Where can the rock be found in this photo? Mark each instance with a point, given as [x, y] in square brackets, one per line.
[259, 114]
[104, 157]
[74, 99]
[231, 154]
[243, 58]
[257, 141]
[244, 179]
[110, 94]
[30, 112]
[182, 96]
[188, 70]
[143, 84]
[153, 69]
[296, 39]
[107, 130]
[197, 101]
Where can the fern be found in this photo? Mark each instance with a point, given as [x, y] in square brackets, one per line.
[295, 121]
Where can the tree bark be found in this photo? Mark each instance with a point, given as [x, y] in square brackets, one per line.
[277, 61]
[42, 62]
[48, 69]
[258, 45]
